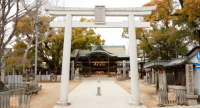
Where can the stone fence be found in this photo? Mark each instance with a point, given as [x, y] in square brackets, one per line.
[47, 78]
[14, 81]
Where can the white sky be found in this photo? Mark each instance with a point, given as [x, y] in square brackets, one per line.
[111, 35]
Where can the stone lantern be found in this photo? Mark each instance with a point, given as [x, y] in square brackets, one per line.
[77, 78]
[119, 78]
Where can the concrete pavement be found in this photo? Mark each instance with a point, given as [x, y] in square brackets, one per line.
[112, 96]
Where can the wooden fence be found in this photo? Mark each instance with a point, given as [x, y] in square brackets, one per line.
[20, 91]
[171, 98]
[23, 101]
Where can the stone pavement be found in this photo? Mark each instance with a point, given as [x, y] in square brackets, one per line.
[197, 106]
[112, 96]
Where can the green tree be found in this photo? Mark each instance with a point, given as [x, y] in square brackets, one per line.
[84, 38]
[172, 29]
[25, 47]
[50, 47]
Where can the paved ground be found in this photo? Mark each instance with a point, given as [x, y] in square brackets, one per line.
[112, 96]
[84, 95]
[145, 92]
[50, 94]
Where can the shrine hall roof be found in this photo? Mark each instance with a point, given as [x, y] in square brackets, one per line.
[118, 51]
[175, 62]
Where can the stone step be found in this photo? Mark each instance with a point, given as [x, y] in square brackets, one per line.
[95, 77]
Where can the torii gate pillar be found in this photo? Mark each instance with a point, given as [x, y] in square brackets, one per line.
[102, 12]
[133, 62]
[64, 87]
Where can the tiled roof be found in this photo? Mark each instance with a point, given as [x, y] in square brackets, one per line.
[166, 63]
[175, 62]
[156, 63]
[111, 50]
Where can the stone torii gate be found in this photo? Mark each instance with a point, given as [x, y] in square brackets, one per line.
[100, 12]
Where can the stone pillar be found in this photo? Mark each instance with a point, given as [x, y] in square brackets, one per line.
[160, 81]
[118, 75]
[66, 62]
[165, 81]
[24, 85]
[89, 68]
[144, 79]
[72, 70]
[39, 76]
[153, 77]
[124, 69]
[156, 81]
[77, 78]
[149, 80]
[13, 79]
[190, 98]
[3, 69]
[31, 84]
[133, 62]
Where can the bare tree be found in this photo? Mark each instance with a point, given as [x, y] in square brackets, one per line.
[11, 11]
[31, 37]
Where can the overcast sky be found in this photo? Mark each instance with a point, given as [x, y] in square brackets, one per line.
[111, 35]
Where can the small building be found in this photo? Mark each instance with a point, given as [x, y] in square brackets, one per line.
[177, 74]
[39, 69]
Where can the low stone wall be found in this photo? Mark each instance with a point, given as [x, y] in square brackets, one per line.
[47, 78]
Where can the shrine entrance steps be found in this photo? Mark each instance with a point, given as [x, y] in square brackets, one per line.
[95, 77]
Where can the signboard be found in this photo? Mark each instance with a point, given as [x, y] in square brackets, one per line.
[14, 101]
[171, 96]
[197, 66]
[198, 56]
[100, 13]
[189, 79]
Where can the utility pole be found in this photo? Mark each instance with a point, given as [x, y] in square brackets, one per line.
[36, 41]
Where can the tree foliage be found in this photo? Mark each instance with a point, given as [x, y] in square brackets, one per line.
[172, 29]
[84, 38]
[24, 49]
[11, 11]
[50, 47]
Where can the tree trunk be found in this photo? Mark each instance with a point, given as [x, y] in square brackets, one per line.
[25, 56]
[77, 56]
